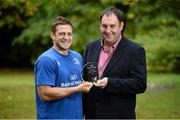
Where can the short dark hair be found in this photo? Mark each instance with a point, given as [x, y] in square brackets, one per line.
[119, 14]
[60, 21]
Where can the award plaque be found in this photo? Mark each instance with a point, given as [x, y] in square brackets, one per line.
[90, 72]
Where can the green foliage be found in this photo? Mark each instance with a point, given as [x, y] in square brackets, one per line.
[162, 48]
[83, 14]
[157, 29]
[15, 12]
[153, 23]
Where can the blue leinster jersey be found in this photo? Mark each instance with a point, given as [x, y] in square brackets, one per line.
[55, 69]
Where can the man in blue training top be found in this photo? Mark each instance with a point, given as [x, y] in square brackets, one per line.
[58, 76]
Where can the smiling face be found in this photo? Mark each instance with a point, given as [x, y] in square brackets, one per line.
[110, 28]
[62, 37]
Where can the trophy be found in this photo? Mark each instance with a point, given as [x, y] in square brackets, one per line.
[90, 72]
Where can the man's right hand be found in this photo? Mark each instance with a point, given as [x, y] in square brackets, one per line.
[85, 87]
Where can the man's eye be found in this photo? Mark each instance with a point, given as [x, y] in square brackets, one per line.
[69, 34]
[112, 26]
[61, 34]
[104, 26]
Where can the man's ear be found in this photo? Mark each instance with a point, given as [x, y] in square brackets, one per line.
[52, 35]
[121, 25]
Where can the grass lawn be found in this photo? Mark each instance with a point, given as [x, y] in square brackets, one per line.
[17, 98]
[161, 99]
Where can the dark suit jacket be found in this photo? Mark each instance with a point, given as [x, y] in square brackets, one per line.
[126, 72]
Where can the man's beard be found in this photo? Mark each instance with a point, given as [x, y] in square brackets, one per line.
[60, 48]
[110, 39]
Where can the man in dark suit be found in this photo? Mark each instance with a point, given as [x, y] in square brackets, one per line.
[122, 71]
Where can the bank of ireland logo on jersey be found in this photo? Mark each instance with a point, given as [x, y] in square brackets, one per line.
[76, 61]
[73, 76]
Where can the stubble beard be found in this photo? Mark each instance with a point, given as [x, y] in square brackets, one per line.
[110, 40]
[59, 47]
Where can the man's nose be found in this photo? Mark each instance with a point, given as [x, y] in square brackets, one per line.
[108, 29]
[66, 36]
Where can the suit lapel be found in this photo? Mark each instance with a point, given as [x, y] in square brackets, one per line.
[96, 52]
[116, 56]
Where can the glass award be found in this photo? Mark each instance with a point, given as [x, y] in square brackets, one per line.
[90, 72]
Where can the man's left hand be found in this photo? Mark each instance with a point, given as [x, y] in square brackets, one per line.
[102, 83]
